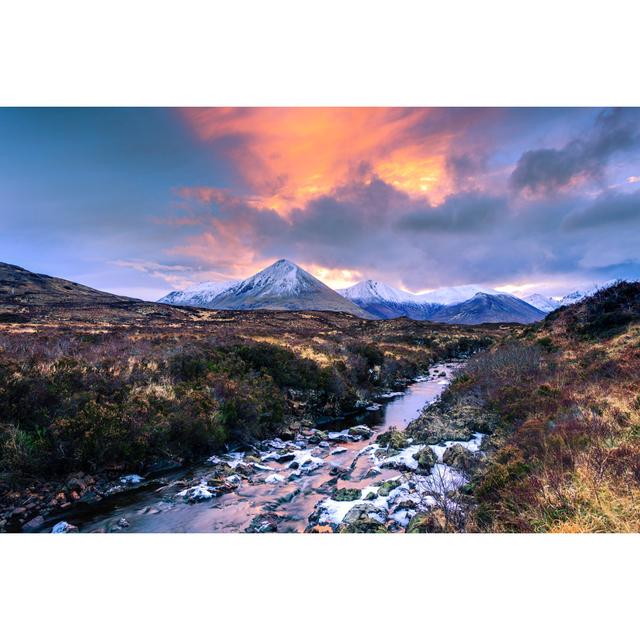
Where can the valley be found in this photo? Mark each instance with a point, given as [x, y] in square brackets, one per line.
[123, 415]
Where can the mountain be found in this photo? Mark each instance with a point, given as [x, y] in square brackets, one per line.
[384, 301]
[541, 302]
[26, 296]
[198, 295]
[19, 286]
[581, 294]
[454, 295]
[485, 307]
[281, 286]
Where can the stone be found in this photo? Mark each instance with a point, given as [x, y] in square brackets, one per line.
[76, 484]
[426, 459]
[393, 439]
[346, 495]
[361, 431]
[388, 486]
[35, 524]
[364, 518]
[460, 457]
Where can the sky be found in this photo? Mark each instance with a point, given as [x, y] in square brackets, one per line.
[144, 201]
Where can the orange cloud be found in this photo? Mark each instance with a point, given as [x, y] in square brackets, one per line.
[289, 155]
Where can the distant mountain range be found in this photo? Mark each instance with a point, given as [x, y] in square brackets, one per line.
[285, 285]
[282, 286]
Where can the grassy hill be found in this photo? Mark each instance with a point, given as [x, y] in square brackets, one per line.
[564, 395]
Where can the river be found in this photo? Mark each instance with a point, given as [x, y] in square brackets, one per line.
[283, 484]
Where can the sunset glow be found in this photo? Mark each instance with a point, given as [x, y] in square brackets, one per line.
[523, 200]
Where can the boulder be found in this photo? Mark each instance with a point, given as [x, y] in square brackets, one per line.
[364, 518]
[35, 524]
[426, 459]
[361, 431]
[393, 439]
[388, 486]
[460, 457]
[346, 495]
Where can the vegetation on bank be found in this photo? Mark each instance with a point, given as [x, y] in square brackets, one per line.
[564, 454]
[120, 400]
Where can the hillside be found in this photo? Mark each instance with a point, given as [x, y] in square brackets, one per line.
[560, 402]
[484, 307]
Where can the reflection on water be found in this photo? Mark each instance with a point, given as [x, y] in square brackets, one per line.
[290, 495]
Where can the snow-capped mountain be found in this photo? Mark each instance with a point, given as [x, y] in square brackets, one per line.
[578, 295]
[486, 307]
[198, 295]
[541, 302]
[375, 291]
[286, 286]
[281, 286]
[455, 295]
[384, 301]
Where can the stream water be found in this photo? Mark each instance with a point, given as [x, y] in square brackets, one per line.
[280, 485]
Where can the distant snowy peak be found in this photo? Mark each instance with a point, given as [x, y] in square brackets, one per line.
[198, 294]
[282, 278]
[541, 302]
[455, 295]
[375, 291]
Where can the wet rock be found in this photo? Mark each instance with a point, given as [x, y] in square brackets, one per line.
[76, 484]
[274, 478]
[340, 436]
[370, 496]
[264, 523]
[199, 493]
[393, 439]
[339, 450]
[347, 495]
[388, 486]
[364, 518]
[361, 431]
[426, 459]
[459, 457]
[90, 497]
[35, 524]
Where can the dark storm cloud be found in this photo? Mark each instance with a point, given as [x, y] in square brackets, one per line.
[545, 171]
[610, 209]
[465, 165]
[463, 213]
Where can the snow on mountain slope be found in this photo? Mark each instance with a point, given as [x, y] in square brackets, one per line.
[545, 304]
[198, 295]
[486, 307]
[373, 290]
[384, 301]
[281, 286]
[578, 295]
[455, 295]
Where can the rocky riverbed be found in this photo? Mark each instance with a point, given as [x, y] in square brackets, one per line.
[397, 466]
